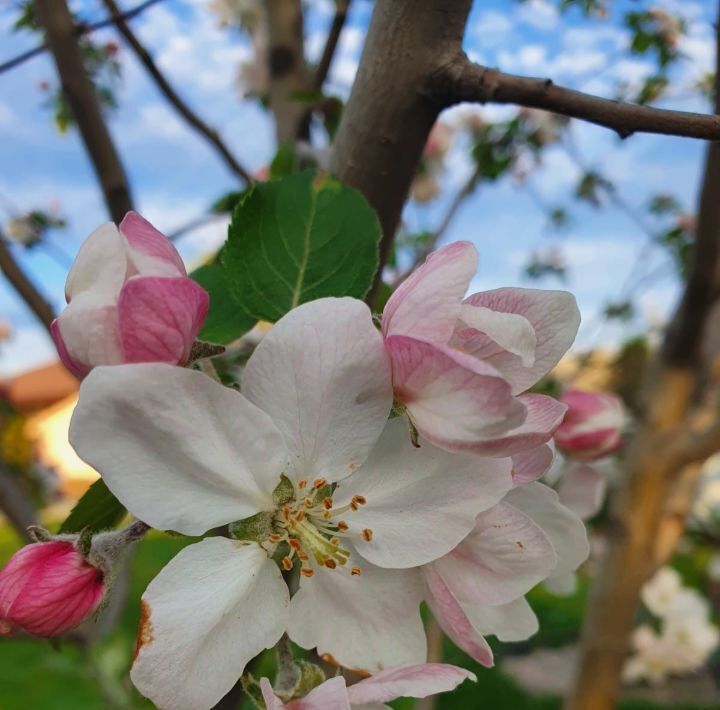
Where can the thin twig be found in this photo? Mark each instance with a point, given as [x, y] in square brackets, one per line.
[341, 12]
[192, 119]
[81, 29]
[462, 80]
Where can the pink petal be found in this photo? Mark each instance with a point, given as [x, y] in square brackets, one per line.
[552, 314]
[452, 399]
[544, 415]
[582, 489]
[150, 251]
[47, 589]
[427, 304]
[272, 702]
[77, 368]
[452, 619]
[330, 695]
[408, 682]
[504, 557]
[531, 464]
[159, 318]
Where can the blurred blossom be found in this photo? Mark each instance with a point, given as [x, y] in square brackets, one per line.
[686, 635]
[592, 426]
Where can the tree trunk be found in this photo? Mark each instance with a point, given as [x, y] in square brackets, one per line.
[287, 70]
[388, 117]
[62, 40]
[642, 537]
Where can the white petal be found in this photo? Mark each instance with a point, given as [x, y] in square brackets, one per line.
[100, 265]
[504, 557]
[212, 609]
[179, 450]
[323, 375]
[565, 530]
[366, 622]
[582, 489]
[89, 329]
[420, 502]
[510, 331]
[515, 621]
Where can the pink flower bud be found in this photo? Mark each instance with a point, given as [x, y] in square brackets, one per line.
[592, 425]
[48, 588]
[129, 300]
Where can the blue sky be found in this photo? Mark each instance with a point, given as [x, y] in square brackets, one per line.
[175, 176]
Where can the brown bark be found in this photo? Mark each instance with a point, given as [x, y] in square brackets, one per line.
[647, 521]
[388, 117]
[24, 287]
[323, 68]
[175, 100]
[287, 70]
[61, 38]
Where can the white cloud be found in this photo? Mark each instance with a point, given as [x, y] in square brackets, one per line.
[490, 27]
[541, 14]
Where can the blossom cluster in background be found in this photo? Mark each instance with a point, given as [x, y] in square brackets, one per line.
[681, 637]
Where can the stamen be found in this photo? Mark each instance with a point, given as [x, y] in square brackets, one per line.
[301, 484]
[328, 503]
[360, 500]
[330, 563]
[306, 572]
[287, 564]
[342, 525]
[355, 571]
[367, 534]
[319, 483]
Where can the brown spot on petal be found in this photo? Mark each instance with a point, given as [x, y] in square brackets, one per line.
[145, 631]
[519, 544]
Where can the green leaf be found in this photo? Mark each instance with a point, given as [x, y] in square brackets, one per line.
[299, 238]
[98, 509]
[283, 163]
[225, 320]
[227, 202]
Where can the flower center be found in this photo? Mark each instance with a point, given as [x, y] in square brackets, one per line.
[313, 529]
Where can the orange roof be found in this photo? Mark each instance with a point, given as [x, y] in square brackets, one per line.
[39, 388]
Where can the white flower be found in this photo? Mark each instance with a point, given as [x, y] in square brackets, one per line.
[659, 592]
[184, 453]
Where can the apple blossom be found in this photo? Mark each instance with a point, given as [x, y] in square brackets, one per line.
[592, 427]
[185, 453]
[478, 588]
[459, 364]
[47, 589]
[129, 300]
[418, 681]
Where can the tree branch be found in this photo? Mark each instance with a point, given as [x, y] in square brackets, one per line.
[462, 80]
[192, 119]
[15, 503]
[61, 37]
[80, 30]
[341, 12]
[24, 287]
